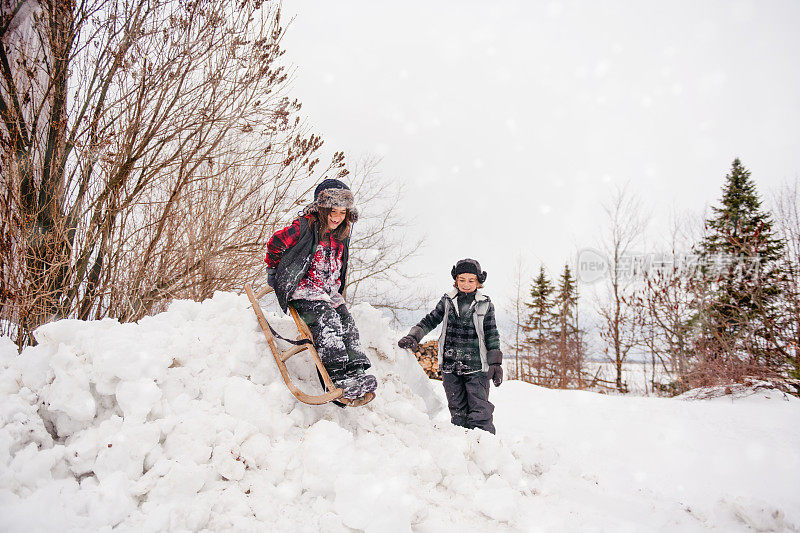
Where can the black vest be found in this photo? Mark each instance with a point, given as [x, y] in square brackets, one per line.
[296, 261]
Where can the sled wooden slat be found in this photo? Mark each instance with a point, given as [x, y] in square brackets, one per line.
[263, 292]
[333, 393]
[294, 350]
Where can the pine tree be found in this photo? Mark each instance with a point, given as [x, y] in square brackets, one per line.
[539, 328]
[568, 335]
[740, 261]
[740, 226]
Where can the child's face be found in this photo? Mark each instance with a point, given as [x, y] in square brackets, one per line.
[336, 217]
[467, 282]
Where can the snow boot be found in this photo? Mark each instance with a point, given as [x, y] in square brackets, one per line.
[356, 384]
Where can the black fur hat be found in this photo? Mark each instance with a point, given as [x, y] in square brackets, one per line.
[332, 193]
[468, 266]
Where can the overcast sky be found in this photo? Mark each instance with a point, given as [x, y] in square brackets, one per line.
[511, 122]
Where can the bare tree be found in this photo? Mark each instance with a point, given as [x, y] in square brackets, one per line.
[381, 245]
[148, 148]
[619, 325]
[517, 310]
[664, 307]
[787, 218]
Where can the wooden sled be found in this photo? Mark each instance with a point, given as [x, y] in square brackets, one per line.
[333, 393]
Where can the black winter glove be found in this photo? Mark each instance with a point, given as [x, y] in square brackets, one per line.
[409, 343]
[495, 373]
[271, 277]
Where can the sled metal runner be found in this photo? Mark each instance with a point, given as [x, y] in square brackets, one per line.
[333, 393]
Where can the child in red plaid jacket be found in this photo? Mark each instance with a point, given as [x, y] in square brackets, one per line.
[307, 265]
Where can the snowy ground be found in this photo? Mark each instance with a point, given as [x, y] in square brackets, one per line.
[181, 423]
[626, 463]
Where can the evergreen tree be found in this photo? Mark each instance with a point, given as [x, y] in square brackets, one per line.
[740, 262]
[539, 328]
[566, 297]
[739, 226]
[568, 335]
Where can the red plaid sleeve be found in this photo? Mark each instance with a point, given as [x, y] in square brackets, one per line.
[281, 241]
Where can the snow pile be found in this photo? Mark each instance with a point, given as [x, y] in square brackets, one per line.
[182, 422]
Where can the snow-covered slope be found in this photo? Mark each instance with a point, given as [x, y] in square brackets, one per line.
[181, 422]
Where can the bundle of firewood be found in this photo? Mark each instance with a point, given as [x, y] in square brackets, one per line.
[428, 357]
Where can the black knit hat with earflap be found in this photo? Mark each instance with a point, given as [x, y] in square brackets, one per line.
[468, 266]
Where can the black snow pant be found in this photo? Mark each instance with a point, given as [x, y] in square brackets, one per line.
[468, 400]
[335, 336]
